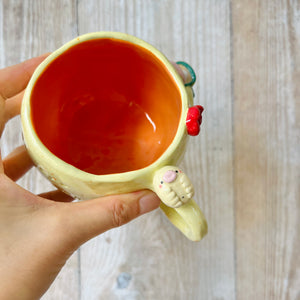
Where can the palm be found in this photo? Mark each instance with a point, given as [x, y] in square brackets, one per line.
[28, 219]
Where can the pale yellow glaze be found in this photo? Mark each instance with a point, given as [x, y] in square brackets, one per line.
[188, 218]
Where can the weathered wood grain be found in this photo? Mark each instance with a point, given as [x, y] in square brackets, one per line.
[245, 163]
[266, 137]
[149, 259]
[27, 29]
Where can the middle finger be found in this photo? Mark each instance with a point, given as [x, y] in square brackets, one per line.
[17, 163]
[13, 106]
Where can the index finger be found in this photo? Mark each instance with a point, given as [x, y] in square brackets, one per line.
[14, 79]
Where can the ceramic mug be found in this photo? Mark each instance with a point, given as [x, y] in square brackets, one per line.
[107, 113]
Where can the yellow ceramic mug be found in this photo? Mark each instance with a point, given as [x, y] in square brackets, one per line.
[107, 114]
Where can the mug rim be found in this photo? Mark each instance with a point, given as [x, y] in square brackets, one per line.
[42, 151]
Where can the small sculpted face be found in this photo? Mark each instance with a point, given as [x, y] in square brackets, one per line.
[172, 186]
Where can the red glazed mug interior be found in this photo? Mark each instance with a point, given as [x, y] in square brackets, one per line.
[106, 106]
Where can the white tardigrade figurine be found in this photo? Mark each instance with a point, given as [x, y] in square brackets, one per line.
[173, 186]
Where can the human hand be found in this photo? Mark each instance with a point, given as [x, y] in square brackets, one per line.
[38, 233]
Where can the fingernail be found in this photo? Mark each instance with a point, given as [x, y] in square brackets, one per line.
[183, 72]
[186, 74]
[149, 202]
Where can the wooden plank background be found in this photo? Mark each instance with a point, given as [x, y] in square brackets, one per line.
[244, 165]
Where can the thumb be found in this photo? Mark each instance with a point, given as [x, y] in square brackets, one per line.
[89, 218]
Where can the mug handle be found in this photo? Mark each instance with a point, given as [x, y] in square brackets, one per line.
[175, 190]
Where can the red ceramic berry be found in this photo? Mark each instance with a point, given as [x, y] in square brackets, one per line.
[200, 108]
[193, 113]
[193, 128]
[194, 120]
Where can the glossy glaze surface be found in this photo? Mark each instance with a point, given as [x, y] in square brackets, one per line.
[106, 106]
